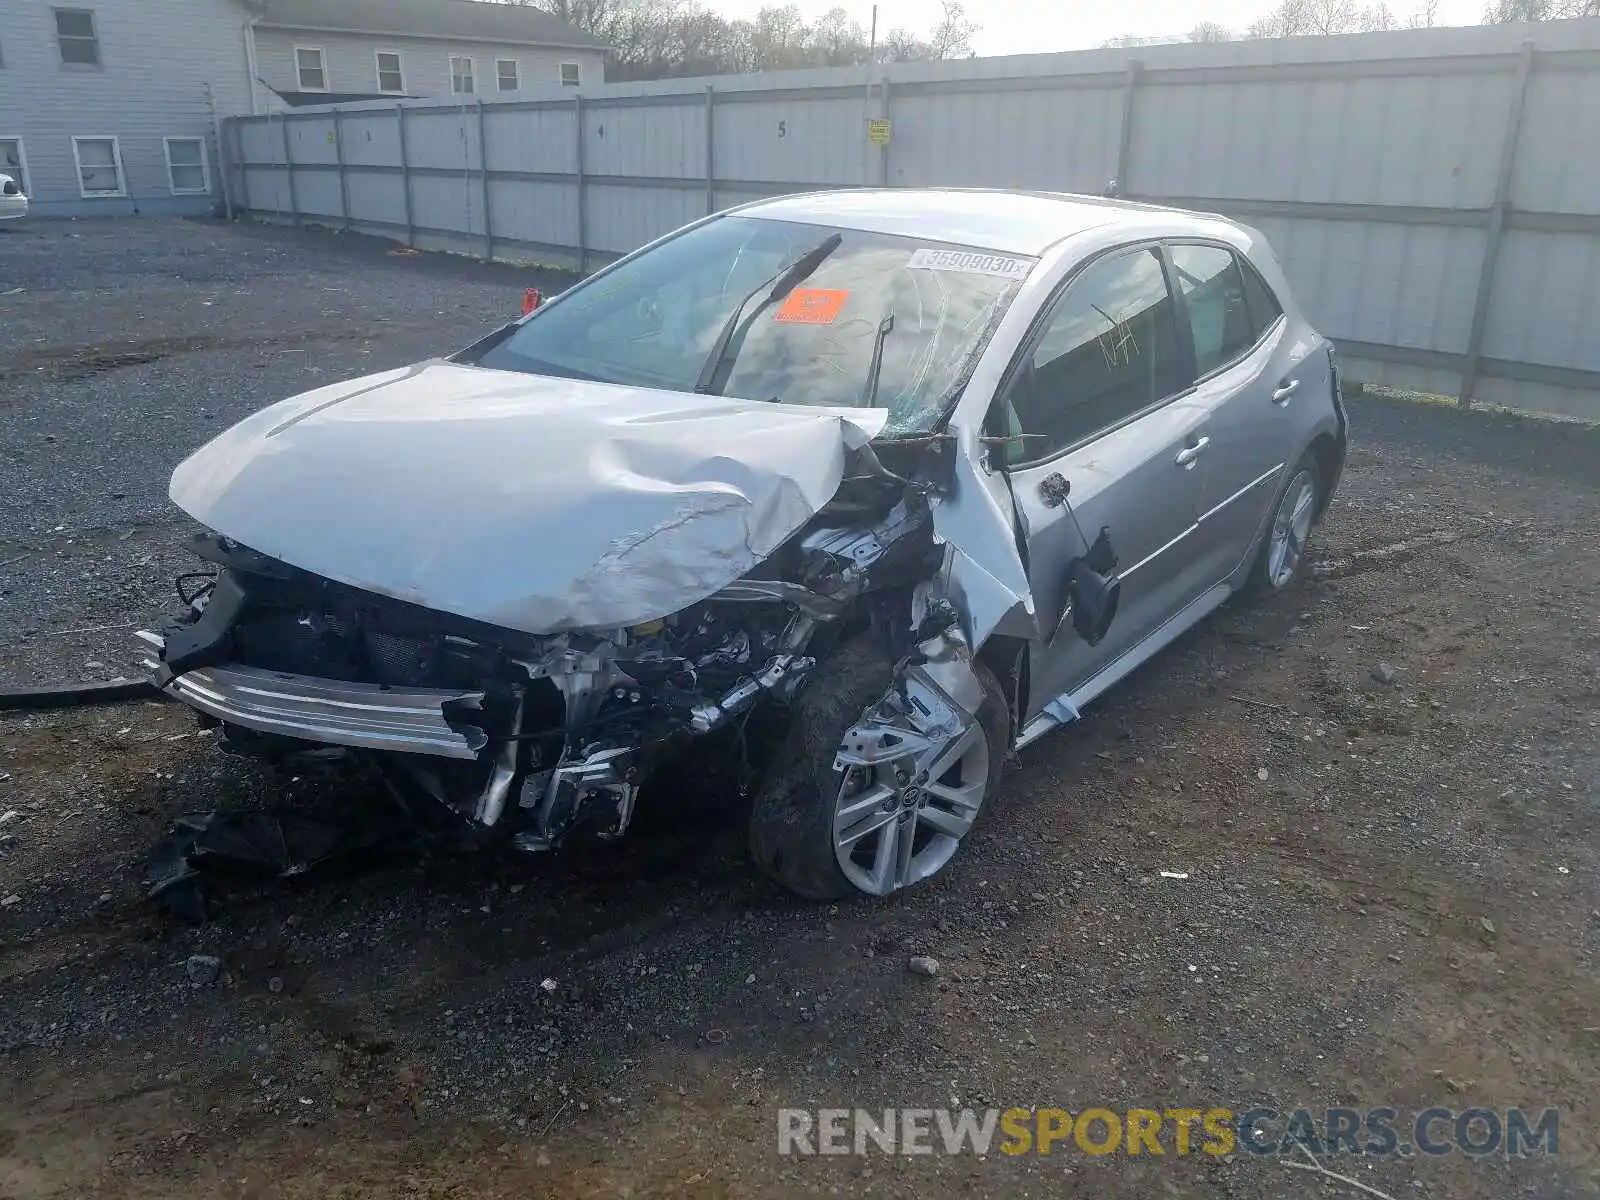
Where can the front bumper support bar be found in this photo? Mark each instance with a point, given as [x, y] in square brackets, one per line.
[369, 715]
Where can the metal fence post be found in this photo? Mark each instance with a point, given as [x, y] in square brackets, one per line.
[244, 167]
[483, 176]
[1496, 226]
[224, 171]
[883, 111]
[405, 176]
[344, 180]
[583, 229]
[711, 143]
[1125, 134]
[288, 169]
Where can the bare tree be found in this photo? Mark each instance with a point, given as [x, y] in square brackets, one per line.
[835, 40]
[1377, 16]
[592, 16]
[901, 45]
[1289, 19]
[952, 36]
[657, 39]
[1299, 18]
[1127, 41]
[1505, 12]
[1210, 31]
[1425, 17]
[1332, 16]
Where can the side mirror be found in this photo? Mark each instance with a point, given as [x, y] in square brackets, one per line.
[1094, 600]
[1094, 590]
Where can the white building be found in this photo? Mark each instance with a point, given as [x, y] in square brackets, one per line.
[324, 51]
[111, 106]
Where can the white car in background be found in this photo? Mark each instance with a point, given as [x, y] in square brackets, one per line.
[13, 203]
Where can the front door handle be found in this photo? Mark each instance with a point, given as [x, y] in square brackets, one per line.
[1187, 456]
[1281, 393]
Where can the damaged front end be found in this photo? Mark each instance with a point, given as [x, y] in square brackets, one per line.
[539, 738]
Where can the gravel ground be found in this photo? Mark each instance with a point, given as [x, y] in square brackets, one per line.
[1392, 892]
[130, 345]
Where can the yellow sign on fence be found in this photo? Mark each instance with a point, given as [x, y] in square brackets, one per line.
[878, 131]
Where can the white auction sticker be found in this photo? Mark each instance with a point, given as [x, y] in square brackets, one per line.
[969, 263]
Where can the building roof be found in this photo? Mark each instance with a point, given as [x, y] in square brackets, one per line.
[459, 20]
[312, 99]
[1016, 222]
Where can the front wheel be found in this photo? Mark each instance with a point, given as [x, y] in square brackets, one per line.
[876, 827]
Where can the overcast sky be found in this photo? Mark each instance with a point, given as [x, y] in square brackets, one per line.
[1036, 26]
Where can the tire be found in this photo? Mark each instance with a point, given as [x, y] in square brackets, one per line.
[1267, 575]
[792, 820]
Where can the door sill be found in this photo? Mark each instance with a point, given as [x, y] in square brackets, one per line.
[1065, 707]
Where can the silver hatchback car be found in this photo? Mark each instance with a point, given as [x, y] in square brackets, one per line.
[853, 493]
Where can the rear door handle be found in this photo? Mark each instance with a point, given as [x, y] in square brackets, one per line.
[1186, 456]
[1281, 393]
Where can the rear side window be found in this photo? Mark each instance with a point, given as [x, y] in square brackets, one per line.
[1214, 295]
[1264, 306]
[1108, 350]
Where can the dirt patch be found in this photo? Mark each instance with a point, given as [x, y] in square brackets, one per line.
[67, 364]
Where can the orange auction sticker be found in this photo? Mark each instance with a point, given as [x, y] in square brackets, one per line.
[812, 306]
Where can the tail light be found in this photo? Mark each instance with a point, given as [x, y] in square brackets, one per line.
[1336, 383]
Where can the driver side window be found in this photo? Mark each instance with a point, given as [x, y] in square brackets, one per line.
[1108, 350]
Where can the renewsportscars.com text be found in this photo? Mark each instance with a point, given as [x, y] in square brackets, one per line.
[1180, 1131]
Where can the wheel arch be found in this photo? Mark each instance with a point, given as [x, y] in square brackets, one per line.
[1327, 451]
[1007, 657]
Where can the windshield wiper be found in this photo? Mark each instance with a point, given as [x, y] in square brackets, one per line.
[869, 394]
[724, 350]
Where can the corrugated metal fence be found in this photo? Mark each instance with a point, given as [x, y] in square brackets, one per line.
[1434, 194]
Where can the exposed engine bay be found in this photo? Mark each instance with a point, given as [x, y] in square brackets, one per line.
[540, 738]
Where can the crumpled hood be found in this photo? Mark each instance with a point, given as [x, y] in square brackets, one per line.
[528, 502]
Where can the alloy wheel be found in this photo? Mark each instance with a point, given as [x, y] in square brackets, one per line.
[1291, 526]
[900, 820]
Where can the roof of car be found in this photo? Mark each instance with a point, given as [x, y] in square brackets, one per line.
[1013, 222]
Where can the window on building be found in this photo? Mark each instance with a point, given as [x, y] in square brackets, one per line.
[14, 162]
[461, 81]
[186, 166]
[76, 37]
[571, 75]
[1108, 351]
[1213, 294]
[391, 72]
[99, 162]
[507, 73]
[311, 68]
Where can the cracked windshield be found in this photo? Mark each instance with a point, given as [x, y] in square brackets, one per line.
[878, 322]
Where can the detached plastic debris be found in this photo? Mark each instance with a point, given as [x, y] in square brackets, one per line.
[260, 844]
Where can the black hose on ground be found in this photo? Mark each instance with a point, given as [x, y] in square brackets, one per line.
[79, 695]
